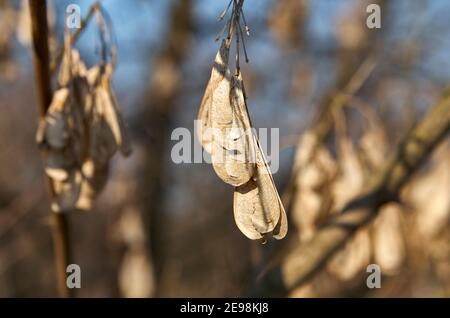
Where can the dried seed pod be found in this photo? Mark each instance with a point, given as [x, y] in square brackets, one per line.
[233, 155]
[58, 163]
[225, 132]
[314, 169]
[388, 241]
[350, 178]
[353, 258]
[428, 195]
[108, 117]
[81, 131]
[54, 129]
[71, 67]
[257, 206]
[218, 72]
[56, 136]
[103, 144]
[94, 180]
[66, 192]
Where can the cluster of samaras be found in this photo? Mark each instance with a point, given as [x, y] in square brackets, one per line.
[80, 133]
[226, 134]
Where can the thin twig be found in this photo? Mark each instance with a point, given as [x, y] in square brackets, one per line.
[237, 8]
[224, 13]
[73, 38]
[243, 43]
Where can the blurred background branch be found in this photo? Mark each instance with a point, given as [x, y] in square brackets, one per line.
[306, 259]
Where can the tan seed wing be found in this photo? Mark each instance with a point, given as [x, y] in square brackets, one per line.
[113, 116]
[103, 142]
[233, 150]
[66, 192]
[218, 72]
[56, 125]
[268, 217]
[246, 201]
[94, 179]
[257, 205]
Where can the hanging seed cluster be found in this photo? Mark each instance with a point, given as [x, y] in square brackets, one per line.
[80, 133]
[225, 132]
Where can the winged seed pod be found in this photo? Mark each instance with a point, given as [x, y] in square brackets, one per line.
[428, 195]
[80, 133]
[218, 73]
[353, 258]
[66, 192]
[388, 242]
[94, 179]
[225, 132]
[111, 112]
[233, 148]
[107, 135]
[315, 170]
[258, 209]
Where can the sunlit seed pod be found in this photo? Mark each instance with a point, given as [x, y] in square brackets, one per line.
[281, 229]
[66, 193]
[388, 241]
[233, 155]
[314, 169]
[246, 201]
[58, 163]
[94, 180]
[350, 176]
[218, 72]
[272, 207]
[257, 206]
[56, 129]
[428, 195]
[353, 258]
[103, 144]
[71, 67]
[112, 114]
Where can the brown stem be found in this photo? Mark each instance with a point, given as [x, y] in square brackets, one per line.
[237, 8]
[41, 59]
